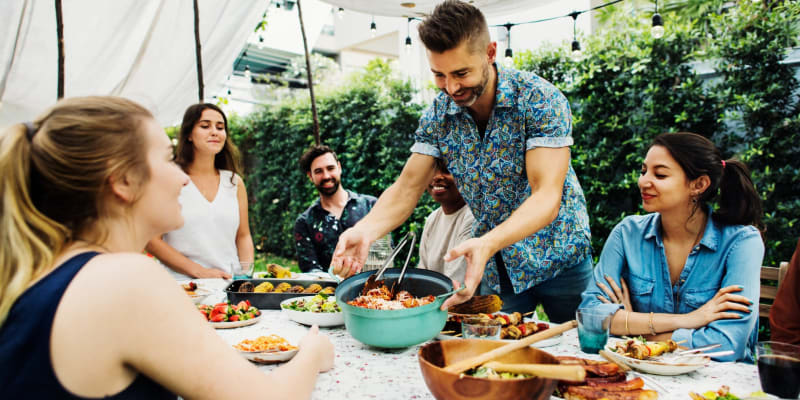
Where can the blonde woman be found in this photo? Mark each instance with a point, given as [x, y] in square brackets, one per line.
[215, 232]
[82, 312]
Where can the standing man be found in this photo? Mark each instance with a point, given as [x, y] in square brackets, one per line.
[505, 136]
[446, 227]
[318, 228]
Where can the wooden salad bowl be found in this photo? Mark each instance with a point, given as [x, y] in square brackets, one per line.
[454, 386]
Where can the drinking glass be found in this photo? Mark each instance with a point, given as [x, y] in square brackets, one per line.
[242, 269]
[481, 328]
[779, 369]
[592, 329]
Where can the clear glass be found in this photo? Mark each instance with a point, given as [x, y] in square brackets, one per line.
[242, 269]
[779, 369]
[592, 330]
[481, 328]
[379, 251]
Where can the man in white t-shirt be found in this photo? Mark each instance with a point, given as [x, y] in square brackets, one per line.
[446, 227]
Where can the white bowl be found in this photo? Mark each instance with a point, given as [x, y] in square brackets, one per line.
[322, 319]
[268, 357]
[199, 295]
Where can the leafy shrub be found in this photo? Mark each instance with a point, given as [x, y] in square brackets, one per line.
[370, 124]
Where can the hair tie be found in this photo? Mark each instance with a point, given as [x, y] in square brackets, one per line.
[723, 164]
[30, 130]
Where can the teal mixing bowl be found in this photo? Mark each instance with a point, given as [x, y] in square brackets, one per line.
[396, 328]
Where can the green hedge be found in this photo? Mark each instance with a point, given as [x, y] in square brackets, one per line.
[369, 122]
[630, 87]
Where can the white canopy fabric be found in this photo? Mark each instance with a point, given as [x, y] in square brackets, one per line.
[143, 50]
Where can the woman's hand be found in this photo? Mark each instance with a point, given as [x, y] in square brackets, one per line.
[203, 272]
[320, 346]
[615, 294]
[476, 252]
[718, 307]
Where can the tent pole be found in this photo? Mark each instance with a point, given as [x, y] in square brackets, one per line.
[60, 33]
[308, 74]
[198, 52]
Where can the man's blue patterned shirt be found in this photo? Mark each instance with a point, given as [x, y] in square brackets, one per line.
[529, 112]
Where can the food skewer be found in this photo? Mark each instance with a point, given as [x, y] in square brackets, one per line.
[622, 366]
[473, 362]
[698, 349]
[574, 373]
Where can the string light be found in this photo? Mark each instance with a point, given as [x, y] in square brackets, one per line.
[408, 35]
[658, 25]
[509, 58]
[372, 27]
[247, 74]
[576, 46]
[340, 13]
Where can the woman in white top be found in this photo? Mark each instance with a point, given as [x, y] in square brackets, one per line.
[216, 232]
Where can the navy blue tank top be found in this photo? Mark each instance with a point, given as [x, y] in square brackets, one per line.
[25, 368]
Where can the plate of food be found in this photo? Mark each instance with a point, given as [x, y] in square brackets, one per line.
[514, 327]
[266, 349]
[654, 357]
[604, 380]
[319, 310]
[227, 315]
[196, 293]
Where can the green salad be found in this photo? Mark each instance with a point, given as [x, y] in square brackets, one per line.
[319, 303]
[483, 372]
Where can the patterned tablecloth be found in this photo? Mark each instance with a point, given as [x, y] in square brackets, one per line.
[363, 372]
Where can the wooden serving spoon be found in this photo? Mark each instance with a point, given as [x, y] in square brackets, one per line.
[482, 358]
[574, 373]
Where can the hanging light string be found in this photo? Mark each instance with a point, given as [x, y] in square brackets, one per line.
[509, 53]
[658, 25]
[372, 27]
[408, 34]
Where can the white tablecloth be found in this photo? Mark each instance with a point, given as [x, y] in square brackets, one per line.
[363, 372]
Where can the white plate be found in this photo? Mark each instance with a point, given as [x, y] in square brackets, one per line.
[551, 341]
[235, 324]
[323, 319]
[268, 357]
[199, 295]
[659, 365]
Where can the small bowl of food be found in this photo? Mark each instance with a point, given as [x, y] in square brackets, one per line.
[320, 310]
[266, 349]
[481, 328]
[482, 383]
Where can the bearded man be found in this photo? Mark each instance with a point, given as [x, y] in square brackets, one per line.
[317, 229]
[505, 137]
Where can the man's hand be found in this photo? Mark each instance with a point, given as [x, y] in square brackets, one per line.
[350, 253]
[203, 272]
[476, 252]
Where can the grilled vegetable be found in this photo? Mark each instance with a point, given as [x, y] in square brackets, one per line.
[282, 287]
[313, 288]
[479, 304]
[264, 287]
[328, 290]
[278, 272]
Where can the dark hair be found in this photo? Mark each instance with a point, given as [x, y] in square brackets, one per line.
[229, 158]
[738, 202]
[451, 23]
[311, 154]
[439, 164]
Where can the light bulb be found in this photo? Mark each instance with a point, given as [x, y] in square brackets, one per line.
[509, 58]
[340, 13]
[658, 27]
[247, 74]
[408, 43]
[576, 51]
[373, 28]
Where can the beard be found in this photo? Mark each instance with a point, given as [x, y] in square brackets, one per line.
[476, 91]
[328, 191]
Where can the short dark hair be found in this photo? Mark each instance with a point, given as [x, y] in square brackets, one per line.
[738, 202]
[312, 153]
[439, 164]
[451, 23]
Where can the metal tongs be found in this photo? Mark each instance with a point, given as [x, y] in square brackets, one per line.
[373, 281]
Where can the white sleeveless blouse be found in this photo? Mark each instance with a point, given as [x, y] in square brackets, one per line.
[208, 234]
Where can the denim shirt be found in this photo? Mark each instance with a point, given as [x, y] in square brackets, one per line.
[727, 255]
[490, 174]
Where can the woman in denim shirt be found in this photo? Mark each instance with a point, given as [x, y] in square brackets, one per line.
[685, 271]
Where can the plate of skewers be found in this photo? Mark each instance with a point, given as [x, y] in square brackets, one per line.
[515, 326]
[658, 358]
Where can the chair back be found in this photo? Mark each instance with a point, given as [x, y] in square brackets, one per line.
[770, 291]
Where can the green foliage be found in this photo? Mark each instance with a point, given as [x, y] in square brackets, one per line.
[629, 87]
[369, 122]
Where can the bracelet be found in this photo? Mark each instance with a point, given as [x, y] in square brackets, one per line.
[650, 325]
[627, 331]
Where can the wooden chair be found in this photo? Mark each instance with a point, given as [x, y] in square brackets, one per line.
[769, 292]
